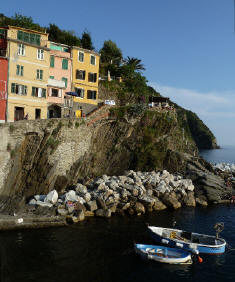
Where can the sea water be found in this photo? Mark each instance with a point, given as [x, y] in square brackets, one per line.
[101, 250]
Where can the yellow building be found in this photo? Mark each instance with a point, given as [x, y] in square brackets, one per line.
[85, 78]
[28, 73]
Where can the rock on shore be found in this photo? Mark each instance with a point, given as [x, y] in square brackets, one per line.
[132, 193]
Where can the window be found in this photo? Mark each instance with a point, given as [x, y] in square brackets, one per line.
[80, 74]
[52, 77]
[40, 74]
[80, 92]
[18, 89]
[92, 77]
[52, 61]
[21, 50]
[19, 70]
[91, 94]
[81, 56]
[39, 92]
[92, 60]
[64, 64]
[40, 54]
[65, 81]
[29, 37]
[54, 92]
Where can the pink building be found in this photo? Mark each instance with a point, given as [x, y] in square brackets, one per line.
[59, 80]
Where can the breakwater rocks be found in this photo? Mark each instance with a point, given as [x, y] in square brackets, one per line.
[226, 167]
[133, 193]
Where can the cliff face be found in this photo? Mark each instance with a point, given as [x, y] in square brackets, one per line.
[38, 156]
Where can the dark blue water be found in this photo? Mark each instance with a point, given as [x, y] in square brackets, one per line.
[226, 155]
[102, 250]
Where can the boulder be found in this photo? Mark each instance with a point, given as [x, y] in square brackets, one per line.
[52, 197]
[171, 200]
[201, 202]
[81, 189]
[189, 200]
[87, 197]
[71, 196]
[44, 204]
[62, 212]
[103, 213]
[79, 215]
[32, 202]
[91, 206]
[158, 205]
[40, 197]
[139, 208]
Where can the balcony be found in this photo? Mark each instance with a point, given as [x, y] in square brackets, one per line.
[56, 83]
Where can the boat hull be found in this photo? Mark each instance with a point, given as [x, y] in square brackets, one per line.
[188, 246]
[163, 254]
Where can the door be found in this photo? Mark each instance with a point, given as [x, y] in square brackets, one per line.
[37, 113]
[19, 113]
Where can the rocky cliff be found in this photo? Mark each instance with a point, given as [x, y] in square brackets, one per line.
[38, 156]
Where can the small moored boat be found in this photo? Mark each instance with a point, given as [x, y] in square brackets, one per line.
[163, 254]
[205, 244]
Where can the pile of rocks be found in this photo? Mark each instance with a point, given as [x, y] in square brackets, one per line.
[227, 167]
[132, 193]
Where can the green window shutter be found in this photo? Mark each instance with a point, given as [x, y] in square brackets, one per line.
[33, 91]
[64, 64]
[22, 71]
[20, 35]
[38, 75]
[25, 90]
[43, 92]
[52, 61]
[41, 74]
[65, 80]
[38, 39]
[13, 88]
[17, 69]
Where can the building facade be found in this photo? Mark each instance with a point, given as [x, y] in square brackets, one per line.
[3, 74]
[85, 77]
[59, 80]
[28, 73]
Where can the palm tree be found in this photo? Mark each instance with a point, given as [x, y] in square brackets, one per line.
[134, 63]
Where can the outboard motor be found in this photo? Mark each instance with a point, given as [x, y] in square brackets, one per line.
[219, 227]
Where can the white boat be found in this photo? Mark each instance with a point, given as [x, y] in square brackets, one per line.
[163, 254]
[205, 244]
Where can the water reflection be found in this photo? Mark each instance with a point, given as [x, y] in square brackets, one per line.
[102, 250]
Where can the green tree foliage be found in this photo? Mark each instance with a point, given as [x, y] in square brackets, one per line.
[62, 36]
[133, 64]
[110, 53]
[21, 21]
[55, 33]
[86, 41]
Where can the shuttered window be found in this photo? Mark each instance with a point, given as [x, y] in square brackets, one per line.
[64, 64]
[19, 70]
[52, 61]
[39, 92]
[40, 74]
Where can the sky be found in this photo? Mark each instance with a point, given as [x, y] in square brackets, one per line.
[186, 46]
